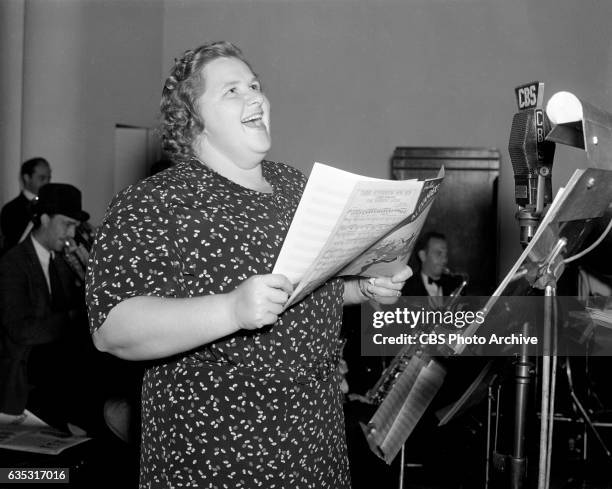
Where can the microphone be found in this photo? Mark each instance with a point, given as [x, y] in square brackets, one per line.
[532, 158]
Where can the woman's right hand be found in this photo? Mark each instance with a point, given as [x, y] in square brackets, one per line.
[259, 300]
[150, 327]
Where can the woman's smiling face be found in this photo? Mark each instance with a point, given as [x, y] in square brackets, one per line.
[235, 112]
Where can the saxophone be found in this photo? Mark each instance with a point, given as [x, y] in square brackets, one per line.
[379, 391]
[76, 251]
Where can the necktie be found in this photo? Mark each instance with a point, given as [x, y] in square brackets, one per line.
[58, 301]
[433, 281]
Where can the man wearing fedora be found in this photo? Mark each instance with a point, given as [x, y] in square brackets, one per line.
[42, 312]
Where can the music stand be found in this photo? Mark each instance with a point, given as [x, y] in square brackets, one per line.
[561, 232]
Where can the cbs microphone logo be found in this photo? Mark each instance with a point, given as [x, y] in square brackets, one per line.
[527, 95]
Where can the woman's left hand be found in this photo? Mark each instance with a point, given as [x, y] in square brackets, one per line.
[385, 290]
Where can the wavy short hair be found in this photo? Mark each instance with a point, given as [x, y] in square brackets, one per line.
[180, 120]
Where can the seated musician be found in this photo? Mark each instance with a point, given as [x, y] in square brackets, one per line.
[432, 278]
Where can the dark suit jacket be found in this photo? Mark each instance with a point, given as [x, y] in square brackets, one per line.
[414, 285]
[27, 319]
[14, 218]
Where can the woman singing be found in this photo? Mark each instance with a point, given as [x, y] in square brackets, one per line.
[239, 393]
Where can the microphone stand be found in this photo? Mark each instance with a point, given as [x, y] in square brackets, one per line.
[518, 466]
[549, 364]
[518, 460]
[586, 196]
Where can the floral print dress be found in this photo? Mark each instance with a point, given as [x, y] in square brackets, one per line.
[255, 409]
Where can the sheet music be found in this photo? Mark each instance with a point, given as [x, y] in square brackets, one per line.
[385, 415]
[323, 200]
[28, 433]
[404, 406]
[25, 419]
[340, 215]
[373, 209]
[425, 388]
[382, 259]
[37, 440]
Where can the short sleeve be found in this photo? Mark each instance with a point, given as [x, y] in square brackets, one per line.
[134, 253]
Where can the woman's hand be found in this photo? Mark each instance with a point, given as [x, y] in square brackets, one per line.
[149, 327]
[385, 290]
[259, 300]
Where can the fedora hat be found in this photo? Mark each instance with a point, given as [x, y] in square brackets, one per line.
[60, 198]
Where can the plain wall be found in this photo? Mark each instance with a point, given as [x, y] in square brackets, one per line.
[12, 14]
[87, 65]
[351, 80]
